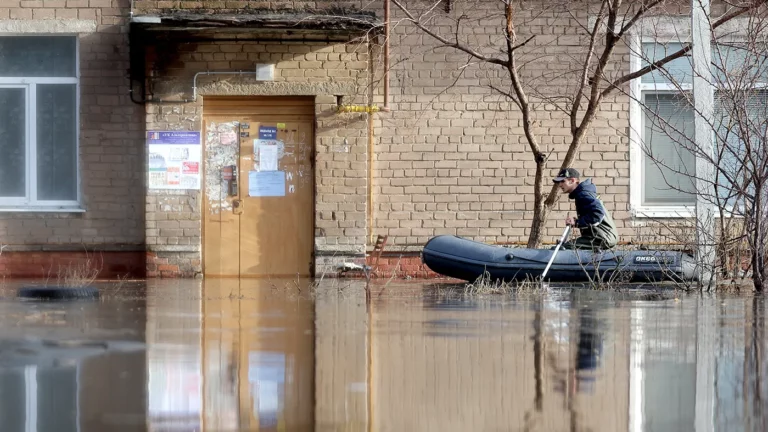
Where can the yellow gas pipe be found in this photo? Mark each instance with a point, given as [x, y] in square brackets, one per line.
[370, 109]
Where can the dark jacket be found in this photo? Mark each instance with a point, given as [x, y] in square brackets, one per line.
[592, 218]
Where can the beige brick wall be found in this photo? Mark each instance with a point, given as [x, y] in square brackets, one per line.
[111, 137]
[452, 156]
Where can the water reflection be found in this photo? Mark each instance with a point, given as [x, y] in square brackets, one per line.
[236, 355]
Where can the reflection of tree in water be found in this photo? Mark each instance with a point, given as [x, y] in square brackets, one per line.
[539, 347]
[755, 365]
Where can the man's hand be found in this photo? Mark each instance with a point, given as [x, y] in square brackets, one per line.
[570, 221]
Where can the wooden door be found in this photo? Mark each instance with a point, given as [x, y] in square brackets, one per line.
[259, 187]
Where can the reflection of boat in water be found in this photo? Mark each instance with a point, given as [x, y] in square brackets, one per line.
[467, 260]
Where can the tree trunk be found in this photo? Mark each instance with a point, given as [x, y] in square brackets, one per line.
[540, 212]
[542, 207]
[758, 269]
[758, 248]
[757, 238]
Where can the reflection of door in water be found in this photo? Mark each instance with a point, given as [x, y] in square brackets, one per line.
[258, 357]
[259, 186]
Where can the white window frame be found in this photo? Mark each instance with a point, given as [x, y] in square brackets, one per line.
[30, 203]
[637, 91]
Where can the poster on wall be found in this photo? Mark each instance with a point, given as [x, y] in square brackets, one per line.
[174, 159]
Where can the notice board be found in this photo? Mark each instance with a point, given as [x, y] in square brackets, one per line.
[174, 159]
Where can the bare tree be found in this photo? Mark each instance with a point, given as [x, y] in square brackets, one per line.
[595, 69]
[740, 131]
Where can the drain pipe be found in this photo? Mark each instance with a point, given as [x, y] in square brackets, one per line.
[386, 54]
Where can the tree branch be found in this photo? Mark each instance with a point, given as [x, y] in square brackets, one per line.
[523, 43]
[676, 55]
[522, 99]
[640, 12]
[507, 94]
[456, 45]
[585, 69]
[595, 96]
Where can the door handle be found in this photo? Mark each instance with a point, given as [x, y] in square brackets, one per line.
[237, 206]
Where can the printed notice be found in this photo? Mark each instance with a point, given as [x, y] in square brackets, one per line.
[266, 183]
[268, 157]
[174, 159]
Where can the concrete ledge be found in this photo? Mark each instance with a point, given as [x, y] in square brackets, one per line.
[236, 85]
[341, 250]
[174, 248]
[48, 26]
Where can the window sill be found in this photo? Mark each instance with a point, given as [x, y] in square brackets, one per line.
[673, 213]
[11, 209]
[663, 212]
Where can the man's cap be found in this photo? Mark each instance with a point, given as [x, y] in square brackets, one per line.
[566, 174]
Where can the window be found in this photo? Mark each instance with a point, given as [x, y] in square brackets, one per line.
[668, 162]
[39, 119]
[661, 119]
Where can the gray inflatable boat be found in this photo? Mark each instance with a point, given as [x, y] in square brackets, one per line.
[467, 260]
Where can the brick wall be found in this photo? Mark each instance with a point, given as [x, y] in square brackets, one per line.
[452, 156]
[169, 264]
[111, 137]
[71, 265]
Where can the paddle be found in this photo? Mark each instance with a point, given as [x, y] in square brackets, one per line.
[559, 243]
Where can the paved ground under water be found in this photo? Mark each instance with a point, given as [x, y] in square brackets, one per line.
[246, 355]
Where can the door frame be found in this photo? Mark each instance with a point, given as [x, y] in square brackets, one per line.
[313, 165]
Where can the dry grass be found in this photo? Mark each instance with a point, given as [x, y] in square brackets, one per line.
[484, 285]
[80, 274]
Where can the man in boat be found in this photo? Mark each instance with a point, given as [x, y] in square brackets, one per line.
[598, 232]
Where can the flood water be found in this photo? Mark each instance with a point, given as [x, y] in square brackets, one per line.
[229, 355]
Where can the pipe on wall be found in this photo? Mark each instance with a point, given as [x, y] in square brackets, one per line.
[372, 108]
[386, 53]
[370, 146]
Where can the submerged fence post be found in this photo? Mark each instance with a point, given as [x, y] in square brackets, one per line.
[703, 101]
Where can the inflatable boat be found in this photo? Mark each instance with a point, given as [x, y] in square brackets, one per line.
[467, 260]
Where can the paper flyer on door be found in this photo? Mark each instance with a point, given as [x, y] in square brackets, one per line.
[174, 159]
[266, 183]
[268, 157]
